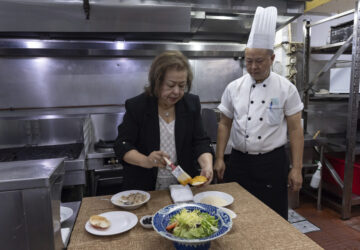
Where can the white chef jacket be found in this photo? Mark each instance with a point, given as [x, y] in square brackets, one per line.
[258, 111]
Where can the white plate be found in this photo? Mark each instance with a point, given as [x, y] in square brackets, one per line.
[65, 213]
[116, 197]
[231, 213]
[121, 221]
[227, 197]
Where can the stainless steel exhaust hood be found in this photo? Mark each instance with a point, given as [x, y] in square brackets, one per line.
[174, 20]
[68, 16]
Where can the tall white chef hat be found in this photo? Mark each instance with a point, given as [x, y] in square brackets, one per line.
[262, 34]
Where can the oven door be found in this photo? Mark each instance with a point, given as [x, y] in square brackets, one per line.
[105, 176]
[108, 181]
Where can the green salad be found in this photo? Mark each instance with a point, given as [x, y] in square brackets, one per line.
[192, 224]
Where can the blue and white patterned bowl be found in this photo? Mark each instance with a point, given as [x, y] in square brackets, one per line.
[162, 218]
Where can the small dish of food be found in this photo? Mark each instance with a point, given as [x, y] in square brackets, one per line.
[214, 198]
[198, 180]
[146, 221]
[191, 225]
[130, 199]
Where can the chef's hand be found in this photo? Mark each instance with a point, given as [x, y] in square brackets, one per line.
[208, 172]
[156, 159]
[295, 179]
[219, 168]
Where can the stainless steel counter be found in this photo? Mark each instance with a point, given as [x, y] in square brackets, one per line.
[30, 196]
[75, 171]
[29, 174]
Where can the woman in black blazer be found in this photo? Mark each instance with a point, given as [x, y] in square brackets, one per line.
[163, 119]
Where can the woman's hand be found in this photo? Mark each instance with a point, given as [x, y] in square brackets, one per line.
[156, 159]
[208, 172]
[205, 161]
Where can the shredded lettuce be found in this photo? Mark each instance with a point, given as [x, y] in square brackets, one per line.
[194, 224]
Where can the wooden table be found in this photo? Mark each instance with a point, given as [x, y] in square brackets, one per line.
[255, 227]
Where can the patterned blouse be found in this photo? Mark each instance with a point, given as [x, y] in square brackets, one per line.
[167, 144]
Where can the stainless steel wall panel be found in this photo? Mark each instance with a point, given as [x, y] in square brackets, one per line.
[58, 131]
[14, 133]
[58, 82]
[105, 126]
[17, 133]
[73, 82]
[213, 75]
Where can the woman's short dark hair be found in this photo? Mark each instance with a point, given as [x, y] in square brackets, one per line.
[163, 62]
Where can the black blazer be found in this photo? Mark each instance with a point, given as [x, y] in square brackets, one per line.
[140, 130]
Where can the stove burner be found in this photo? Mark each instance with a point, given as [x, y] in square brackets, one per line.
[104, 146]
[69, 151]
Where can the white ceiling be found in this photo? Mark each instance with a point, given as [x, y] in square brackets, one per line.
[335, 6]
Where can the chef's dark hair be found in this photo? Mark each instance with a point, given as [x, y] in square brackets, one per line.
[163, 62]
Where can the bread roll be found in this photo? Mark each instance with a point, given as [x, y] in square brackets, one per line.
[99, 222]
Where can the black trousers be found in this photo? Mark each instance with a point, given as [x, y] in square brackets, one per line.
[263, 175]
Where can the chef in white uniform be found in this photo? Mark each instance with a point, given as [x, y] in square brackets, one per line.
[259, 111]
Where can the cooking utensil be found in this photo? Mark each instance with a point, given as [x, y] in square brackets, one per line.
[178, 172]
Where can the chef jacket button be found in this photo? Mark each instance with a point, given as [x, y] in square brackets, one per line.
[124, 142]
[269, 186]
[264, 85]
[261, 119]
[262, 101]
[249, 118]
[247, 136]
[259, 137]
[253, 86]
[252, 102]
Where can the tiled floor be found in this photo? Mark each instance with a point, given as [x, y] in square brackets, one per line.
[335, 233]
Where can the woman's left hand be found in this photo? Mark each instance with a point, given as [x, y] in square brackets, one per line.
[208, 172]
[205, 160]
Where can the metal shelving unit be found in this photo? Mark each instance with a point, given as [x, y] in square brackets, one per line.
[349, 145]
